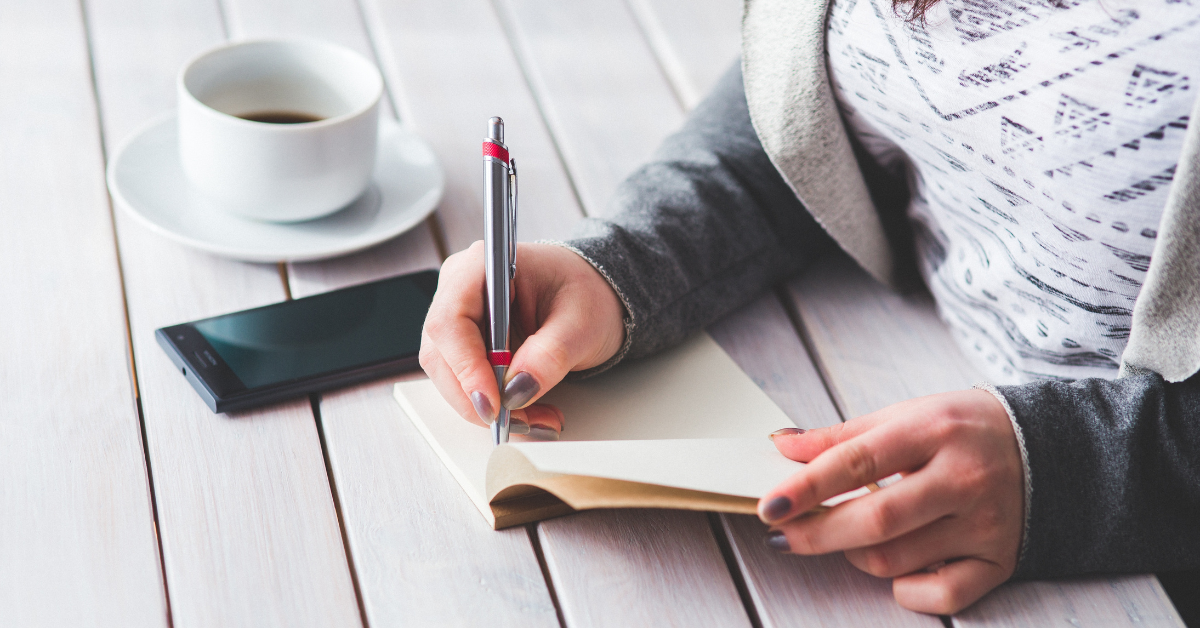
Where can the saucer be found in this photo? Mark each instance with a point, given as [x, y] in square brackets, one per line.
[147, 181]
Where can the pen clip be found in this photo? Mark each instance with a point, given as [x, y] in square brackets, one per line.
[512, 219]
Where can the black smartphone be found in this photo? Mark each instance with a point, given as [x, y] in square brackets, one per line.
[277, 352]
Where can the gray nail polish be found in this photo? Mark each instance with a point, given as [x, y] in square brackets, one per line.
[542, 433]
[483, 407]
[777, 508]
[517, 426]
[777, 541]
[519, 391]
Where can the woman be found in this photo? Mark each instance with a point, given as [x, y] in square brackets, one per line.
[1034, 164]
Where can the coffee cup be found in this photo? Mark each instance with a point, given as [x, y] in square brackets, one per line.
[279, 130]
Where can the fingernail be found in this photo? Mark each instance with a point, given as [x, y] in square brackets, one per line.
[787, 431]
[517, 426]
[777, 541]
[483, 407]
[543, 433]
[519, 391]
[777, 509]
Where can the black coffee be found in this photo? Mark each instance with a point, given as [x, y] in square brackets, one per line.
[280, 117]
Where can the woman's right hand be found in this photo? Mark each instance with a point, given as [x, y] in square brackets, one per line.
[566, 318]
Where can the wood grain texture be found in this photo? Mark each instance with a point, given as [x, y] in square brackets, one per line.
[593, 72]
[1115, 601]
[876, 347]
[813, 590]
[761, 339]
[640, 568]
[78, 546]
[694, 42]
[452, 68]
[249, 529]
[422, 554]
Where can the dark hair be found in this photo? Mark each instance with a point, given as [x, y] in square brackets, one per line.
[914, 10]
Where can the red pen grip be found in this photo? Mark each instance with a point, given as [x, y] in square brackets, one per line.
[495, 150]
[500, 358]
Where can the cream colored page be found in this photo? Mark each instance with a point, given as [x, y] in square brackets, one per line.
[745, 467]
[694, 391]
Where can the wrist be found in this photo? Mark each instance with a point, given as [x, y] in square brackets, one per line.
[619, 326]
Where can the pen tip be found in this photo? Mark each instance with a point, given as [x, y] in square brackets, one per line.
[496, 129]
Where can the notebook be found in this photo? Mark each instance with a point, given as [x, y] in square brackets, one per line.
[684, 429]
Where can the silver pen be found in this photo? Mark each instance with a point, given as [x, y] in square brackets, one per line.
[500, 243]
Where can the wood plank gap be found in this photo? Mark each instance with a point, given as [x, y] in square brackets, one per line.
[439, 236]
[735, 570]
[664, 57]
[315, 401]
[507, 24]
[130, 357]
[162, 562]
[389, 102]
[536, 542]
[282, 267]
[797, 321]
[223, 13]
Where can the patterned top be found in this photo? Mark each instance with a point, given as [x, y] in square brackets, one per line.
[1040, 141]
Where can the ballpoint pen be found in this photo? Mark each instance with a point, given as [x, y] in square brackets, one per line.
[500, 243]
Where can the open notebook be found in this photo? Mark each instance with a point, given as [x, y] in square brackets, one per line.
[684, 429]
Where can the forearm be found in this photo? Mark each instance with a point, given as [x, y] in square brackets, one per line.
[1114, 474]
[703, 227]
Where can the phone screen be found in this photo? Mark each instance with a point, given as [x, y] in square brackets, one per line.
[331, 332]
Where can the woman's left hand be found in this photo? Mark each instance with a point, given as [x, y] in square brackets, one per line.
[948, 533]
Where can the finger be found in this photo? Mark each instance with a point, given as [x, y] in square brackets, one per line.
[936, 543]
[539, 422]
[451, 390]
[915, 502]
[889, 447]
[452, 329]
[950, 588]
[804, 445]
[543, 359]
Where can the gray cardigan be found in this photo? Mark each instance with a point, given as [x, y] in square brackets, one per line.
[713, 219]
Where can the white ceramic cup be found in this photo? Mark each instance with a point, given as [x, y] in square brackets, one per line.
[271, 171]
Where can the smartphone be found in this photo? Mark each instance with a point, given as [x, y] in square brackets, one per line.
[268, 354]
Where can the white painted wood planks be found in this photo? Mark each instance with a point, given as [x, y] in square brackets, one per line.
[249, 529]
[78, 544]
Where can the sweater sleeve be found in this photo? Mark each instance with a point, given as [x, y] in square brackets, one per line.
[1114, 474]
[702, 228]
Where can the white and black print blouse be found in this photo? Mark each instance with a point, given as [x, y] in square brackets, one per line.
[1041, 140]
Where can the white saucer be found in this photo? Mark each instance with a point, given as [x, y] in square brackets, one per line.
[147, 180]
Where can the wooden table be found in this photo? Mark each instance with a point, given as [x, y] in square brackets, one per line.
[125, 502]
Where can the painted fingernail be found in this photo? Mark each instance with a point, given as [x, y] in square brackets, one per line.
[787, 431]
[777, 509]
[483, 407]
[542, 433]
[519, 391]
[777, 541]
[517, 426]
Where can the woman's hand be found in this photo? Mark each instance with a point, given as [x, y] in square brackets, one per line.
[565, 317]
[948, 533]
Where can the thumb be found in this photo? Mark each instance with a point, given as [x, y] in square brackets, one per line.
[804, 445]
[542, 361]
